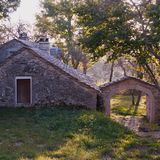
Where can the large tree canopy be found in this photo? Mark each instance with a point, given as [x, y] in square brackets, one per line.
[8, 6]
[118, 28]
[58, 19]
[106, 26]
[121, 28]
[153, 14]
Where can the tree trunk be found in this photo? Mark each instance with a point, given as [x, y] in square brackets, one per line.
[133, 97]
[139, 98]
[139, 75]
[111, 74]
[123, 67]
[84, 68]
[151, 75]
[138, 101]
[153, 52]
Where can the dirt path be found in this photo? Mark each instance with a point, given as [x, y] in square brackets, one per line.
[135, 123]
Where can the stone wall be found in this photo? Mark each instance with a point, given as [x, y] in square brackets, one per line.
[49, 83]
[153, 95]
[8, 48]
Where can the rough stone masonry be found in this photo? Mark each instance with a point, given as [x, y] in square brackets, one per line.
[50, 84]
[53, 82]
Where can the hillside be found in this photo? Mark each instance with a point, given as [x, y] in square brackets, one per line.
[67, 133]
[100, 71]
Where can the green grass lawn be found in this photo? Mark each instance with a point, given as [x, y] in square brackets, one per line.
[67, 133]
[122, 105]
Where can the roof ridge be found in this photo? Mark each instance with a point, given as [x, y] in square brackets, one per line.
[81, 77]
[125, 78]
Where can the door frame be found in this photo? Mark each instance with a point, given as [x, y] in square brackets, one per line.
[23, 78]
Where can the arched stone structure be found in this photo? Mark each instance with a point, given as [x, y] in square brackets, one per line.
[151, 91]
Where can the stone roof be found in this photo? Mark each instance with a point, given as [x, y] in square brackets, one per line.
[10, 47]
[77, 74]
[81, 77]
[123, 79]
[28, 43]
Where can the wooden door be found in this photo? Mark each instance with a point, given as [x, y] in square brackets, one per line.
[23, 91]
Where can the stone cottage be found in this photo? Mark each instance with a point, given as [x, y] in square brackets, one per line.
[31, 75]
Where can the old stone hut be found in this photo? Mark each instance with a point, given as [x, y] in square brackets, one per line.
[30, 75]
[151, 91]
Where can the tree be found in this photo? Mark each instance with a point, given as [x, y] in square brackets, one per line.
[10, 31]
[146, 40]
[8, 6]
[153, 14]
[58, 19]
[105, 26]
[111, 73]
[121, 28]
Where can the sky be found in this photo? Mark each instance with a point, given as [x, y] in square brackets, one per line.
[26, 12]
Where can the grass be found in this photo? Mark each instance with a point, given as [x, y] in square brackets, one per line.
[122, 105]
[67, 133]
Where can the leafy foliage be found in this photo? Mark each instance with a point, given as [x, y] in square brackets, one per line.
[8, 6]
[119, 28]
[106, 27]
[58, 19]
[114, 28]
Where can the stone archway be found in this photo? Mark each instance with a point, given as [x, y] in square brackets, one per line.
[152, 95]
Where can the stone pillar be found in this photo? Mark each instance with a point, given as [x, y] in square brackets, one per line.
[148, 107]
[157, 108]
[106, 100]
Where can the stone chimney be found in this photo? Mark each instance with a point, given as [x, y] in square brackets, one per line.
[56, 52]
[44, 44]
[23, 36]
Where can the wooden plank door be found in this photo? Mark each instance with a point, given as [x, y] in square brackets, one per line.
[23, 91]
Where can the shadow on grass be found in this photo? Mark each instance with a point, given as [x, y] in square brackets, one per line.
[61, 133]
[121, 104]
